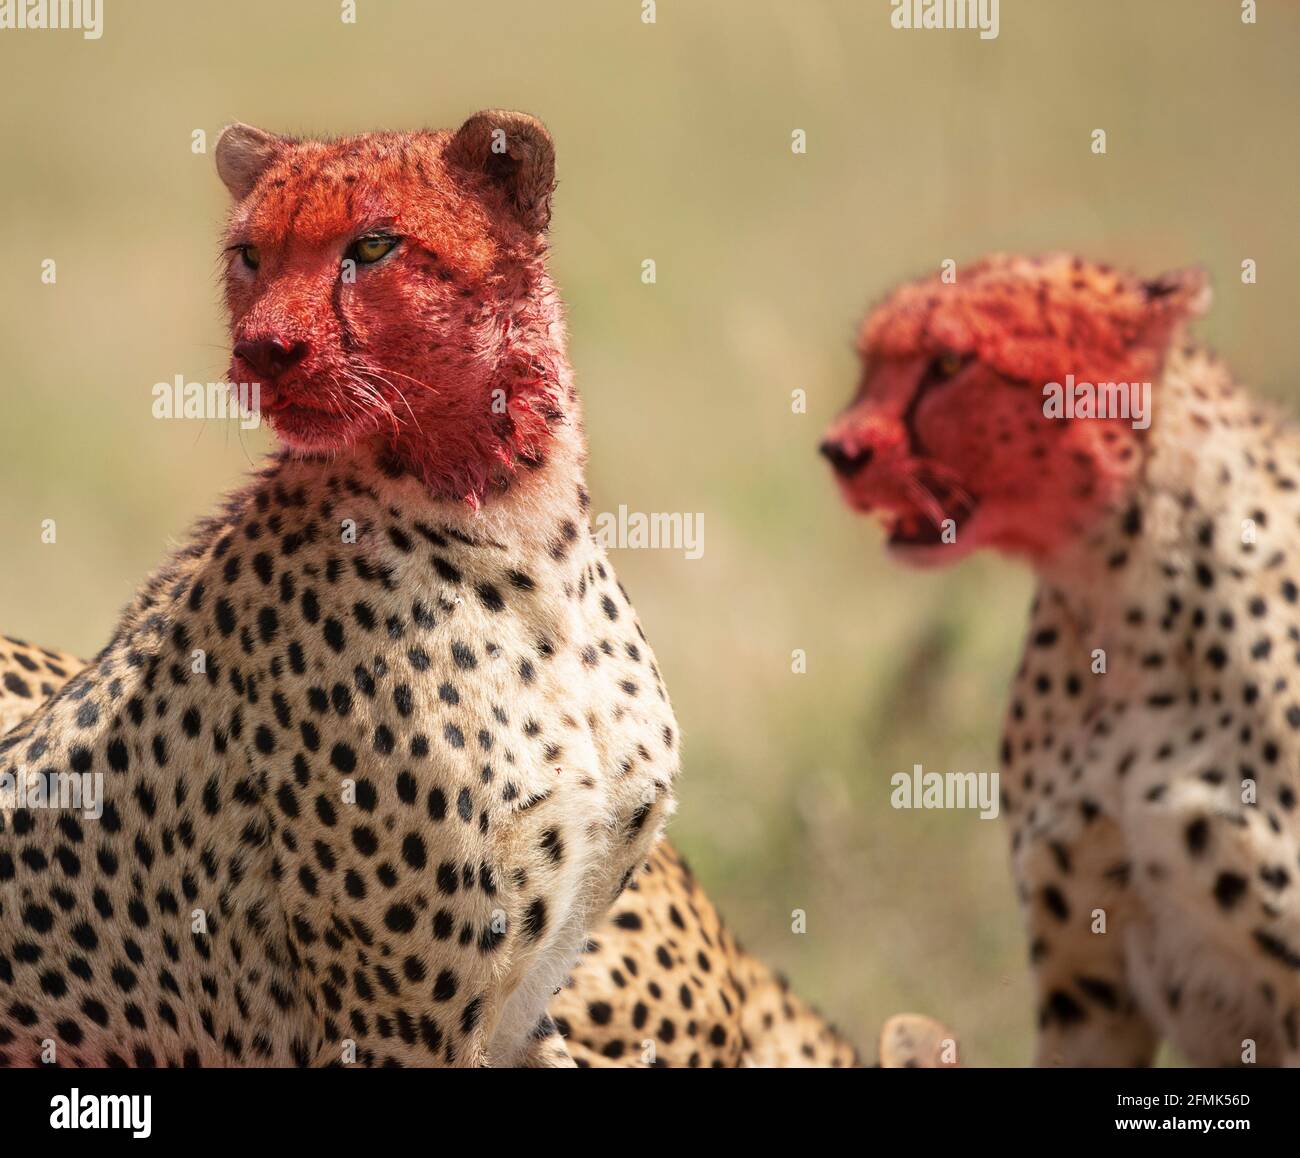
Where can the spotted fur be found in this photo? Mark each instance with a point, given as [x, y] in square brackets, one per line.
[29, 675]
[660, 984]
[664, 984]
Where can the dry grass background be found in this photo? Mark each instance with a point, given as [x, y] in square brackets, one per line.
[673, 144]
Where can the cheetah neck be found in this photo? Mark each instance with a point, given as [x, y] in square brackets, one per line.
[520, 509]
[1196, 515]
[505, 440]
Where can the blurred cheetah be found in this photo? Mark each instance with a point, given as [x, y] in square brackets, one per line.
[1151, 756]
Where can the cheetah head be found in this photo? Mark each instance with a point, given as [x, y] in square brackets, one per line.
[950, 439]
[391, 288]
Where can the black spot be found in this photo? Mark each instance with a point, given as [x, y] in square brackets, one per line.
[225, 616]
[1198, 836]
[268, 624]
[437, 804]
[535, 919]
[1277, 948]
[448, 572]
[400, 918]
[1063, 1008]
[1101, 991]
[1229, 888]
[413, 851]
[333, 632]
[444, 988]
[1056, 903]
[404, 699]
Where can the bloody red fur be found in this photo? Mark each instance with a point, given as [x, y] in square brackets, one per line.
[979, 449]
[449, 350]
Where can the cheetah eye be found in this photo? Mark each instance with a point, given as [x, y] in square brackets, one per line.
[251, 255]
[945, 366]
[368, 250]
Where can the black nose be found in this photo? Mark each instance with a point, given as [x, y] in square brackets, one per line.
[846, 463]
[271, 356]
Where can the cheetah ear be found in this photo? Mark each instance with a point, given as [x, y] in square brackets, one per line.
[1184, 293]
[243, 154]
[516, 155]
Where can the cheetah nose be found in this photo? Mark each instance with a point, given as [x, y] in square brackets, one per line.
[846, 463]
[270, 357]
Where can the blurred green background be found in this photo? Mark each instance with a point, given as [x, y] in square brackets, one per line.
[673, 144]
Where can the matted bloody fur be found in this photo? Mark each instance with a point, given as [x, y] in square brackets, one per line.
[449, 347]
[1008, 326]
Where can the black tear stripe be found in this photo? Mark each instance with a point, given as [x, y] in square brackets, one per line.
[927, 383]
[347, 339]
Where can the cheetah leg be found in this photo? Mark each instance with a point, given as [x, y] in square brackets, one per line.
[1074, 883]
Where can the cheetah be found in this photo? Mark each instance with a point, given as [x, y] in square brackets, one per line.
[383, 739]
[661, 983]
[1151, 751]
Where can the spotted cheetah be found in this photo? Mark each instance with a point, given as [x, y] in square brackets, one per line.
[664, 984]
[28, 675]
[384, 739]
[661, 983]
[1151, 753]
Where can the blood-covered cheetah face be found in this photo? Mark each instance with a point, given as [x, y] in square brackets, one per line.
[951, 439]
[391, 286]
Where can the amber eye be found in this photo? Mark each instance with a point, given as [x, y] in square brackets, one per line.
[947, 366]
[368, 250]
[251, 254]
